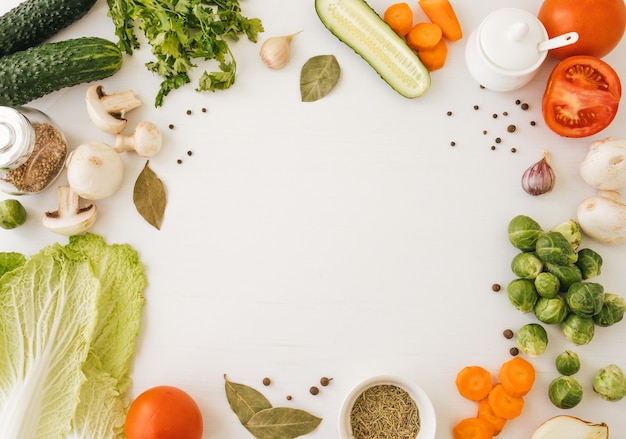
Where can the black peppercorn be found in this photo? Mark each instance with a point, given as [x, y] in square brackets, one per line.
[511, 128]
[525, 106]
[514, 351]
[496, 287]
[449, 113]
[266, 381]
[314, 390]
[324, 381]
[508, 334]
[171, 126]
[498, 140]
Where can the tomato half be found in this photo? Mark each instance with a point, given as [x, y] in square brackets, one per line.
[164, 412]
[600, 25]
[581, 97]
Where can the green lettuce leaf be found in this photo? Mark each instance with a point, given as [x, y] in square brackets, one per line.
[10, 260]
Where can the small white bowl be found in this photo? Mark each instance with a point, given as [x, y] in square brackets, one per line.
[428, 419]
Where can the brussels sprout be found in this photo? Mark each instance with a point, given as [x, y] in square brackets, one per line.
[532, 339]
[551, 311]
[565, 392]
[567, 274]
[589, 262]
[567, 363]
[524, 232]
[585, 298]
[522, 294]
[610, 383]
[612, 310]
[571, 231]
[578, 329]
[12, 214]
[547, 285]
[526, 265]
[552, 247]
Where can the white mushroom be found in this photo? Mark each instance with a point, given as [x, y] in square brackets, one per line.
[107, 111]
[94, 170]
[146, 140]
[603, 217]
[604, 166]
[70, 218]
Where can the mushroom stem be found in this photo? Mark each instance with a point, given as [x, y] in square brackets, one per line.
[119, 103]
[146, 140]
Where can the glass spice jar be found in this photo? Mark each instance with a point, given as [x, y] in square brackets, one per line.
[32, 150]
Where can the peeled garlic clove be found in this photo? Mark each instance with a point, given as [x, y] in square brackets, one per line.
[539, 178]
[276, 51]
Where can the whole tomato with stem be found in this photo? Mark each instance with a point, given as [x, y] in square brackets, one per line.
[581, 97]
[600, 25]
[164, 412]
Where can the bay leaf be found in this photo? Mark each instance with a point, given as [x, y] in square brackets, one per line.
[244, 400]
[149, 196]
[318, 77]
[281, 423]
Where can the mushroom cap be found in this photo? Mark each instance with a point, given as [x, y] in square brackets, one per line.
[94, 170]
[603, 217]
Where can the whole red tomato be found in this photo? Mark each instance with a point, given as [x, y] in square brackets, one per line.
[600, 25]
[163, 412]
[581, 97]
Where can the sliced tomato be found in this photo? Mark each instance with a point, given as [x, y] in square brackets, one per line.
[581, 97]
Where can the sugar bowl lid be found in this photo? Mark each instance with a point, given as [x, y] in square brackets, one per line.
[510, 37]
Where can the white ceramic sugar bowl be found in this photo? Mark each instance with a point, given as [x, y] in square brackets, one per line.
[506, 50]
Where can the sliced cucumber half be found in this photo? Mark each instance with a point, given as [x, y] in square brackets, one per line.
[355, 23]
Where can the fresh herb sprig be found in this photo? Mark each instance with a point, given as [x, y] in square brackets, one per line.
[181, 31]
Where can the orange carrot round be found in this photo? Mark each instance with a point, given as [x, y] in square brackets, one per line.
[503, 404]
[517, 376]
[442, 13]
[424, 36]
[486, 413]
[472, 428]
[435, 58]
[474, 382]
[400, 17]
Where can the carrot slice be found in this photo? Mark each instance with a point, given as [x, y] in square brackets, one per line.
[474, 382]
[435, 58]
[424, 36]
[442, 13]
[517, 376]
[472, 428]
[485, 412]
[503, 404]
[400, 17]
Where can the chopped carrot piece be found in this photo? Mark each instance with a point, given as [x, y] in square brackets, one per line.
[517, 376]
[442, 13]
[474, 382]
[424, 36]
[472, 428]
[435, 58]
[485, 412]
[503, 404]
[400, 17]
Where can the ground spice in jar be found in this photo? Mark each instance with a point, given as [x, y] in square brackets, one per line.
[45, 162]
[384, 411]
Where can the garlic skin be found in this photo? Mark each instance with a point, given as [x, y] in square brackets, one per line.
[539, 179]
[276, 51]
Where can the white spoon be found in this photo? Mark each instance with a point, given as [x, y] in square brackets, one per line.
[556, 42]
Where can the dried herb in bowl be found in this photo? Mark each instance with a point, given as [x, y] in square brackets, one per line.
[385, 410]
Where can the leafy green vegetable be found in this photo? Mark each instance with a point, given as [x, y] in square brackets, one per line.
[567, 363]
[578, 329]
[69, 316]
[612, 312]
[180, 32]
[522, 294]
[523, 232]
[10, 260]
[565, 392]
[532, 339]
[12, 214]
[610, 383]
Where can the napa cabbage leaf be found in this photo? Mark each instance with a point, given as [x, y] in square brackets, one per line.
[69, 318]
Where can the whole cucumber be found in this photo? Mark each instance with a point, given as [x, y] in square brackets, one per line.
[34, 21]
[38, 71]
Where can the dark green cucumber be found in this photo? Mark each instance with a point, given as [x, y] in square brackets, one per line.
[40, 70]
[356, 24]
[34, 21]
